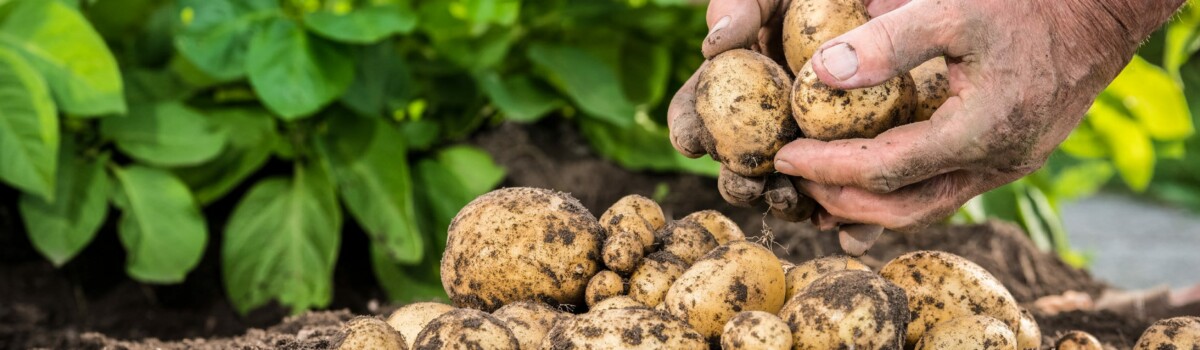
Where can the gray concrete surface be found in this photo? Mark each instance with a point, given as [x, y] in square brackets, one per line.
[1136, 244]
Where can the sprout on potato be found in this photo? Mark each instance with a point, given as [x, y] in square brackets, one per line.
[738, 276]
[756, 330]
[649, 283]
[848, 309]
[366, 332]
[969, 332]
[412, 318]
[464, 329]
[742, 101]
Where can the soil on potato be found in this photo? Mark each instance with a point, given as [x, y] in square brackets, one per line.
[90, 303]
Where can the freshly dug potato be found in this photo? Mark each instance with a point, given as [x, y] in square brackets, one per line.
[932, 80]
[529, 321]
[808, 24]
[1172, 333]
[623, 329]
[969, 332]
[617, 302]
[787, 266]
[943, 286]
[756, 330]
[604, 285]
[654, 276]
[624, 214]
[721, 227]
[848, 309]
[825, 113]
[686, 240]
[412, 318]
[1079, 340]
[802, 275]
[464, 329]
[365, 332]
[1029, 336]
[742, 100]
[623, 251]
[517, 244]
[735, 277]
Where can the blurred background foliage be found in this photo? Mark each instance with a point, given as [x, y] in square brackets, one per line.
[308, 113]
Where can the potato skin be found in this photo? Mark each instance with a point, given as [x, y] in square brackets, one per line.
[1029, 336]
[617, 302]
[943, 286]
[809, 24]
[624, 215]
[623, 251]
[464, 329]
[366, 332]
[742, 100]
[932, 80]
[756, 330]
[825, 113]
[1078, 340]
[686, 240]
[623, 329]
[657, 272]
[848, 309]
[412, 318]
[735, 277]
[604, 285]
[529, 321]
[1180, 332]
[718, 225]
[969, 332]
[517, 244]
[802, 275]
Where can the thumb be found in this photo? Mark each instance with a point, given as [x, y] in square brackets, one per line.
[735, 24]
[886, 46]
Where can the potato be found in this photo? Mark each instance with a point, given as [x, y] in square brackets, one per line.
[624, 215]
[800, 276]
[623, 329]
[787, 266]
[1172, 333]
[1079, 340]
[751, 330]
[649, 283]
[932, 80]
[466, 329]
[1029, 336]
[364, 332]
[825, 113]
[617, 302]
[719, 226]
[809, 24]
[686, 240]
[738, 276]
[517, 244]
[412, 318]
[969, 332]
[622, 252]
[742, 101]
[943, 286]
[529, 321]
[604, 285]
[848, 309]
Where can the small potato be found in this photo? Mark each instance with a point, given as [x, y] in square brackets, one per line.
[756, 330]
[969, 332]
[1029, 336]
[742, 101]
[804, 274]
[825, 113]
[604, 285]
[624, 215]
[366, 332]
[686, 240]
[848, 309]
[1079, 340]
[738, 276]
[617, 302]
[412, 318]
[809, 24]
[529, 321]
[1172, 333]
[622, 252]
[932, 80]
[623, 329]
[464, 329]
[943, 286]
[654, 276]
[721, 227]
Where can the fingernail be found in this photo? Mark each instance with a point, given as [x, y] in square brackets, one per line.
[784, 167]
[721, 24]
[840, 60]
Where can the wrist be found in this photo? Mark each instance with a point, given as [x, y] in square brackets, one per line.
[1139, 18]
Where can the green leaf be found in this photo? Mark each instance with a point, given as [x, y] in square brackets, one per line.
[28, 127]
[1154, 99]
[1083, 142]
[402, 286]
[1181, 39]
[296, 74]
[1130, 146]
[363, 25]
[61, 44]
[215, 34]
[473, 168]
[642, 146]
[60, 228]
[282, 241]
[165, 134]
[161, 227]
[591, 84]
[450, 180]
[382, 81]
[1081, 180]
[251, 135]
[518, 97]
[374, 182]
[645, 70]
[1031, 218]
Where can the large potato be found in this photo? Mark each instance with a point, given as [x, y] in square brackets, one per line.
[412, 318]
[636, 214]
[1029, 335]
[517, 244]
[617, 302]
[529, 321]
[825, 113]
[738, 276]
[809, 24]
[623, 250]
[654, 276]
[604, 285]
[969, 332]
[1172, 333]
[721, 227]
[466, 329]
[686, 240]
[932, 81]
[623, 329]
[756, 330]
[943, 286]
[848, 309]
[742, 101]
[369, 333]
[802, 275]
[1079, 340]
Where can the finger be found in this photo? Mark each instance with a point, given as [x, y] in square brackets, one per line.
[877, 8]
[739, 190]
[786, 203]
[687, 132]
[856, 239]
[734, 24]
[909, 209]
[824, 220]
